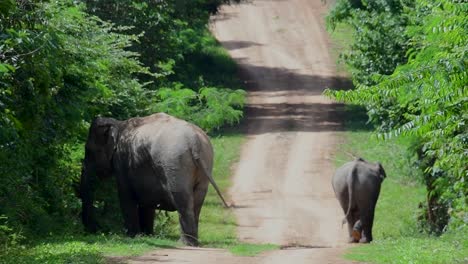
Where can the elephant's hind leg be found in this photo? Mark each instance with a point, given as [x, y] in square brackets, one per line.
[199, 194]
[184, 205]
[367, 220]
[147, 215]
[352, 218]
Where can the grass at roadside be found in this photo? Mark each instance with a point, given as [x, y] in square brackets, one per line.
[251, 249]
[88, 249]
[451, 247]
[396, 233]
[341, 38]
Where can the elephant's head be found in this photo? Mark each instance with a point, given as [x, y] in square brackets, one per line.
[97, 164]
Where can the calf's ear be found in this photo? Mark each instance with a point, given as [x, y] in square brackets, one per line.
[382, 173]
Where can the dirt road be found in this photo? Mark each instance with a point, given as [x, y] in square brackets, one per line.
[281, 187]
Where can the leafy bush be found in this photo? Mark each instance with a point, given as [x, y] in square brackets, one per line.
[8, 237]
[379, 42]
[211, 108]
[60, 67]
[191, 72]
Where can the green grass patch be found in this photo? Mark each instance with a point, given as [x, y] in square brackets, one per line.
[82, 249]
[252, 249]
[451, 247]
[397, 238]
[342, 38]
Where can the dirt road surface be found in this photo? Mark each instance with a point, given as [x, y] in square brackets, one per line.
[281, 187]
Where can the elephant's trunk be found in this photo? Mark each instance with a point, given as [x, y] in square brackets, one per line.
[87, 198]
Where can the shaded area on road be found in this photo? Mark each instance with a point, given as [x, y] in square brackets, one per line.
[238, 44]
[283, 79]
[283, 117]
[296, 115]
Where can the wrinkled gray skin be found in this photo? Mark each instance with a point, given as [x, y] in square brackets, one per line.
[159, 161]
[357, 187]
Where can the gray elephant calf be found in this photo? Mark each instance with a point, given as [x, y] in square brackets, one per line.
[159, 162]
[357, 187]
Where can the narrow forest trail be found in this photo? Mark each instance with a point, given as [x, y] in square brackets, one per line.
[281, 186]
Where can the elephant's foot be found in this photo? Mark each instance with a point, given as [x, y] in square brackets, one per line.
[189, 241]
[131, 234]
[365, 240]
[356, 235]
[351, 239]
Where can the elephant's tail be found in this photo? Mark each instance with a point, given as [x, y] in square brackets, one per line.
[350, 184]
[200, 164]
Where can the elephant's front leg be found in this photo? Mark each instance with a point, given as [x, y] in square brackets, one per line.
[129, 208]
[130, 215]
[184, 205]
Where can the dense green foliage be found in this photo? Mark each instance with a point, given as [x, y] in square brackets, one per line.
[426, 97]
[61, 65]
[379, 42]
[190, 76]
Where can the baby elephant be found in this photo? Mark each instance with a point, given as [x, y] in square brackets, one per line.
[357, 187]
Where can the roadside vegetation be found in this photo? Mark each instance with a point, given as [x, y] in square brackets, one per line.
[64, 62]
[407, 60]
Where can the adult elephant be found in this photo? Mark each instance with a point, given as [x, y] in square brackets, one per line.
[159, 162]
[357, 187]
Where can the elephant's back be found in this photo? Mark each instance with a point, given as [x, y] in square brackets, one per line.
[339, 178]
[344, 170]
[162, 124]
[165, 135]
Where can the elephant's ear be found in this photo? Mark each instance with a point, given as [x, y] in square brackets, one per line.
[112, 136]
[106, 133]
[382, 173]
